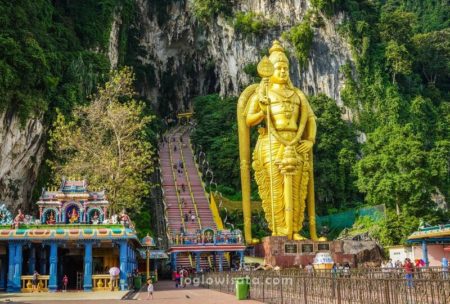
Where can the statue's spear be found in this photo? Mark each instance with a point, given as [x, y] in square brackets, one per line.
[265, 70]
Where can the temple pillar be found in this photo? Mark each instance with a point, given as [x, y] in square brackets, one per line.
[32, 260]
[197, 261]
[53, 280]
[220, 261]
[87, 281]
[241, 259]
[174, 261]
[425, 253]
[133, 259]
[43, 261]
[3, 267]
[11, 257]
[123, 265]
[17, 266]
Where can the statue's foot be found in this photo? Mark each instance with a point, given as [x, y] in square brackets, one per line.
[298, 237]
[322, 239]
[280, 231]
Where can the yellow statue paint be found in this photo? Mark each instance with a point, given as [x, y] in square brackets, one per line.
[282, 158]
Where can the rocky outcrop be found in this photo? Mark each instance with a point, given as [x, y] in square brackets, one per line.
[190, 59]
[113, 48]
[21, 153]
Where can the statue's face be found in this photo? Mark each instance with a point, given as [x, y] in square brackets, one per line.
[281, 73]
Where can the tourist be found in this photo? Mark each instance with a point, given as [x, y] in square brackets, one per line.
[444, 264]
[149, 289]
[193, 217]
[65, 282]
[186, 217]
[181, 229]
[334, 270]
[182, 280]
[182, 202]
[183, 187]
[346, 270]
[174, 148]
[177, 279]
[408, 268]
[389, 264]
[309, 269]
[35, 281]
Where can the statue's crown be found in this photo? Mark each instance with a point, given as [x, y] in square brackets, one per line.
[277, 53]
[276, 47]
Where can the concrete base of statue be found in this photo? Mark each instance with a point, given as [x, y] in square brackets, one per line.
[279, 251]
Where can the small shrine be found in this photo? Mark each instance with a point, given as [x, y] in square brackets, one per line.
[72, 203]
[74, 234]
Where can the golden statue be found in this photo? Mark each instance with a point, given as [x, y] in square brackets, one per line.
[283, 161]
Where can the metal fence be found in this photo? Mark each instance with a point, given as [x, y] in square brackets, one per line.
[291, 287]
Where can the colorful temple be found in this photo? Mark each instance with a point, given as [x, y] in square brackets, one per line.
[75, 235]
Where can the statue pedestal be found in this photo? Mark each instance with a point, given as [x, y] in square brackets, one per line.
[279, 251]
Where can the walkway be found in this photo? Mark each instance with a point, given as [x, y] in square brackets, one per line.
[165, 293]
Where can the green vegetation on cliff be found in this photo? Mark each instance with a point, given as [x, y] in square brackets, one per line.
[53, 53]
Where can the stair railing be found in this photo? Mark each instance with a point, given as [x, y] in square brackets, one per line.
[194, 202]
[175, 182]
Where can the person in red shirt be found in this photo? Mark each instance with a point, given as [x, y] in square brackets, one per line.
[65, 283]
[409, 268]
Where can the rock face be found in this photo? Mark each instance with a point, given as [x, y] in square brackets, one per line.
[21, 153]
[192, 58]
[113, 48]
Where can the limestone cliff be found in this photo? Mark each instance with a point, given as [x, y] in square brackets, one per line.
[21, 153]
[190, 58]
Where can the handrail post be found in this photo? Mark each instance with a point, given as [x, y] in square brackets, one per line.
[305, 296]
[339, 291]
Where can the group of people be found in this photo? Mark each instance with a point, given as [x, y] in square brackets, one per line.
[36, 286]
[188, 216]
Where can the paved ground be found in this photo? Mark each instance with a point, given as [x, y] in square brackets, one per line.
[165, 293]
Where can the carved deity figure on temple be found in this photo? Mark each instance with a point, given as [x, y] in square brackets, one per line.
[282, 157]
[20, 218]
[125, 219]
[51, 219]
[95, 218]
[73, 216]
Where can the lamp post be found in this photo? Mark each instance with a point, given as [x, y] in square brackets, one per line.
[148, 242]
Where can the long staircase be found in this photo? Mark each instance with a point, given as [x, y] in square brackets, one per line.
[184, 196]
[173, 153]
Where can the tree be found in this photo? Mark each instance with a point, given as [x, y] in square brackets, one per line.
[394, 170]
[397, 26]
[105, 142]
[335, 152]
[432, 52]
[398, 59]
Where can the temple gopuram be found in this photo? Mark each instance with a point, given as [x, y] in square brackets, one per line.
[74, 235]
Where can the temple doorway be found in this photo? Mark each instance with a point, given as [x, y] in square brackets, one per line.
[72, 266]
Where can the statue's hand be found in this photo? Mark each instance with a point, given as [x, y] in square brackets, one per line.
[305, 146]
